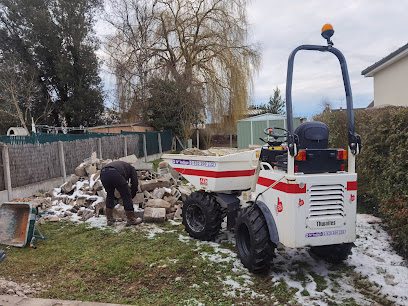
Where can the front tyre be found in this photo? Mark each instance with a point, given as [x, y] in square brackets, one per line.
[254, 246]
[334, 254]
[202, 216]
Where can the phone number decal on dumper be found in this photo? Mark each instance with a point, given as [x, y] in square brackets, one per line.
[197, 163]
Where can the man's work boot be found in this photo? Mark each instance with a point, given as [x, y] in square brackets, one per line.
[131, 219]
[109, 217]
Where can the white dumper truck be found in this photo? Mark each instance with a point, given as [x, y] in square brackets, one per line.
[294, 190]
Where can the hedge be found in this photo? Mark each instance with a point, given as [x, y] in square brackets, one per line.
[382, 165]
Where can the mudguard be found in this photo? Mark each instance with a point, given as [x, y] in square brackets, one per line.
[270, 221]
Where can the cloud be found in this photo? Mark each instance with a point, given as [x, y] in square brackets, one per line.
[365, 32]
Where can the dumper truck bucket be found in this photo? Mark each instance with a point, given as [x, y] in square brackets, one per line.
[17, 222]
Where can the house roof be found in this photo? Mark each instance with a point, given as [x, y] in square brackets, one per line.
[386, 61]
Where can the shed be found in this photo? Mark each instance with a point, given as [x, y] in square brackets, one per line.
[249, 130]
[17, 131]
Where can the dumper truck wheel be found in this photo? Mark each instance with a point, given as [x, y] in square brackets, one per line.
[255, 248]
[202, 216]
[334, 254]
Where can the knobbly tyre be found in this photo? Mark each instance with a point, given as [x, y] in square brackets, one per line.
[294, 190]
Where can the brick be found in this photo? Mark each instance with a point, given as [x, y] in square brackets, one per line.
[153, 184]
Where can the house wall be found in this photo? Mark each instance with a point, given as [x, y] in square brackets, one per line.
[390, 84]
[117, 129]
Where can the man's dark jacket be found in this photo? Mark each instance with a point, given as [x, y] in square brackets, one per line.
[128, 172]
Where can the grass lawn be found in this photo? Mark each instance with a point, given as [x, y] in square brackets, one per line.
[136, 266]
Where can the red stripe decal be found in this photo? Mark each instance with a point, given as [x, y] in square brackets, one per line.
[351, 186]
[215, 174]
[284, 187]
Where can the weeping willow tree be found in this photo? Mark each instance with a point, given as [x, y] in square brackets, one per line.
[201, 45]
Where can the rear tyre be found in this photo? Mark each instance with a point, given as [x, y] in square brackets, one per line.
[202, 216]
[334, 254]
[255, 248]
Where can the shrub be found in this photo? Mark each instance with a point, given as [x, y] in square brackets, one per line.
[382, 165]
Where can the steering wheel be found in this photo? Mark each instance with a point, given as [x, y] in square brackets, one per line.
[271, 132]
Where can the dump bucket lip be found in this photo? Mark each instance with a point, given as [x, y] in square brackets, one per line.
[28, 223]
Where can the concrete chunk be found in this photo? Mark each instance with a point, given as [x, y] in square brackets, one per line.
[139, 198]
[177, 214]
[158, 203]
[80, 170]
[90, 170]
[158, 193]
[67, 187]
[152, 214]
[139, 165]
[131, 159]
[153, 184]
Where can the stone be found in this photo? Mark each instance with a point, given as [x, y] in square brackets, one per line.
[139, 165]
[80, 201]
[153, 214]
[91, 160]
[10, 292]
[158, 193]
[170, 216]
[101, 193]
[131, 159]
[80, 170]
[52, 218]
[119, 213]
[67, 213]
[73, 178]
[147, 194]
[170, 199]
[158, 203]
[177, 214]
[97, 186]
[87, 214]
[139, 198]
[90, 170]
[20, 293]
[153, 184]
[67, 187]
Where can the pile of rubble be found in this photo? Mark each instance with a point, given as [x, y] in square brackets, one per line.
[22, 290]
[159, 198]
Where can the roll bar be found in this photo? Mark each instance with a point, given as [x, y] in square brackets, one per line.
[354, 140]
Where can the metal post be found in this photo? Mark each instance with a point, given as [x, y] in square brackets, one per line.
[125, 146]
[160, 143]
[99, 143]
[62, 160]
[7, 172]
[144, 147]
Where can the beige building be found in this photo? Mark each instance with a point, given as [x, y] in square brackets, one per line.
[390, 78]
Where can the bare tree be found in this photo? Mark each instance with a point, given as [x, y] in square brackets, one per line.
[201, 45]
[18, 94]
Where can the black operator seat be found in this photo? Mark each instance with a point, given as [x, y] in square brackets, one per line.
[313, 135]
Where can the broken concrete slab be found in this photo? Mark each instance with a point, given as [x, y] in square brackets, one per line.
[139, 198]
[153, 184]
[67, 187]
[152, 214]
[139, 165]
[158, 203]
[130, 159]
[177, 214]
[91, 170]
[80, 170]
[158, 193]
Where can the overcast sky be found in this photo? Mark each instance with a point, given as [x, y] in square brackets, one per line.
[365, 32]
